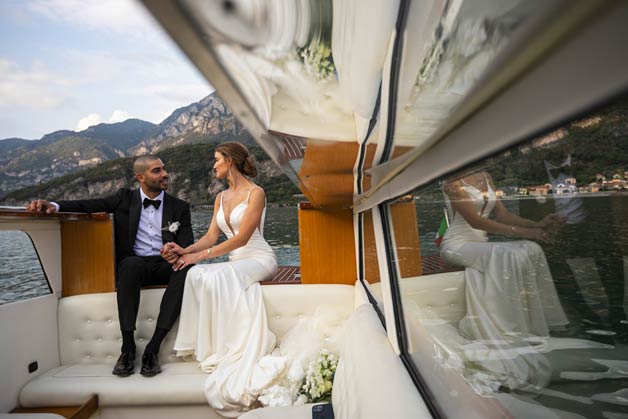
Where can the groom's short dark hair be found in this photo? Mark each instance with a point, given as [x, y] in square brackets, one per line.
[141, 163]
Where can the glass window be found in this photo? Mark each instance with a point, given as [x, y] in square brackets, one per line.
[519, 307]
[449, 49]
[370, 268]
[21, 274]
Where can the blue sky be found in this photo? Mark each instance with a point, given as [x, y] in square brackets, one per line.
[69, 64]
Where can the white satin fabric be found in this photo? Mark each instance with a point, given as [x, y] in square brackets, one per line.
[510, 296]
[223, 320]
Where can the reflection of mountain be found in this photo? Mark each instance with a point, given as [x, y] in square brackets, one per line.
[598, 145]
[189, 167]
[24, 163]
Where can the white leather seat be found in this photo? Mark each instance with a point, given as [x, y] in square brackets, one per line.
[89, 344]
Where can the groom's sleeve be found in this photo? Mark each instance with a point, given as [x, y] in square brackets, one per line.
[107, 204]
[185, 236]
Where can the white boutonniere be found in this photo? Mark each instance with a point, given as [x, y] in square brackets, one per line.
[172, 227]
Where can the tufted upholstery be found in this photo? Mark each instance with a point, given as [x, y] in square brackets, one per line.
[443, 293]
[89, 331]
[89, 344]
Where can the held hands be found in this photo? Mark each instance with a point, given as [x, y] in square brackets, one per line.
[41, 205]
[536, 234]
[171, 252]
[177, 256]
[187, 260]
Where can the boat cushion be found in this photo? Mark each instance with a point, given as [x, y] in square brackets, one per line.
[89, 344]
[367, 360]
[443, 293]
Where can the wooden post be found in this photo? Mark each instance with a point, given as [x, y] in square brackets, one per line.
[326, 246]
[87, 256]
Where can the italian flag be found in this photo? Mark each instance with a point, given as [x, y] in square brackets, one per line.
[444, 223]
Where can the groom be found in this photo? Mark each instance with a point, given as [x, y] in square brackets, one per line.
[144, 220]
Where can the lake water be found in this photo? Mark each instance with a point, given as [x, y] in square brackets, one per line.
[604, 240]
[21, 276]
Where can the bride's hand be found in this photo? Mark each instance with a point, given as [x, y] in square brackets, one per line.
[187, 260]
[171, 249]
[536, 234]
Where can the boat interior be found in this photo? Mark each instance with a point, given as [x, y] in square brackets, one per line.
[372, 108]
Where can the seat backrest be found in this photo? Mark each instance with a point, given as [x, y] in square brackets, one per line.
[371, 381]
[89, 331]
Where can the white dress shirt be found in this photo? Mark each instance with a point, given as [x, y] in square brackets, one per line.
[148, 241]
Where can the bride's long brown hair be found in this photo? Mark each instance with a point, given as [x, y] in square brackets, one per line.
[241, 157]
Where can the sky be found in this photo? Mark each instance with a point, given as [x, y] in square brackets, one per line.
[70, 64]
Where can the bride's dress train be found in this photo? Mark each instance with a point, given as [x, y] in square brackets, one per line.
[511, 300]
[223, 320]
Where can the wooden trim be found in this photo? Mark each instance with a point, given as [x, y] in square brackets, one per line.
[327, 247]
[87, 257]
[84, 411]
[11, 213]
[406, 232]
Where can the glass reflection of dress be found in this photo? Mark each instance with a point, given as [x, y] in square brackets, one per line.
[509, 288]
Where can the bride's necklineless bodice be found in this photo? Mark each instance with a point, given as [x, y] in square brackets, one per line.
[483, 200]
[229, 219]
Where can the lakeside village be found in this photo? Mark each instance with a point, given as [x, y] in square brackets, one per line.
[618, 183]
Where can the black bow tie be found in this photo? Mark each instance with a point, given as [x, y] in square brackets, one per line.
[154, 202]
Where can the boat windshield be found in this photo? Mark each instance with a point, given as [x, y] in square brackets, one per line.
[519, 307]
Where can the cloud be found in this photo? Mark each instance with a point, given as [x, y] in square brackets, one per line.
[120, 16]
[92, 119]
[118, 116]
[88, 121]
[35, 88]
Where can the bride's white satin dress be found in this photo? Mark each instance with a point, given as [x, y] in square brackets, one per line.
[223, 319]
[509, 287]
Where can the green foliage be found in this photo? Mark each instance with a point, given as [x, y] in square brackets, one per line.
[598, 143]
[189, 165]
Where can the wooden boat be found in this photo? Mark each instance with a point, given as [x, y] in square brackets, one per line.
[368, 107]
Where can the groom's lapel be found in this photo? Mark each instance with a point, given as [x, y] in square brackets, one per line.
[135, 206]
[166, 216]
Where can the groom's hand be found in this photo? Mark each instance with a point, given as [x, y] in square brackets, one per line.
[168, 255]
[41, 205]
[171, 259]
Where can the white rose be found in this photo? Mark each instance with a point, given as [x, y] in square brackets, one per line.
[173, 227]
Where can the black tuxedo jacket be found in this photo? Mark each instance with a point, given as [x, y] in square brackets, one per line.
[125, 206]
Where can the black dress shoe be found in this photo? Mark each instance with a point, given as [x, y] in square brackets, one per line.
[125, 364]
[150, 365]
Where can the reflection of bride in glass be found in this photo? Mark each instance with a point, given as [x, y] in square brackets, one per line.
[509, 288]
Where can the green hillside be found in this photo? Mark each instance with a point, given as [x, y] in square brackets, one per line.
[190, 168]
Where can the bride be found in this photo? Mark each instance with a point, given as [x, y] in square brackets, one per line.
[223, 320]
[510, 289]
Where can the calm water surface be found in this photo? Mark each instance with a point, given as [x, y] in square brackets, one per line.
[21, 275]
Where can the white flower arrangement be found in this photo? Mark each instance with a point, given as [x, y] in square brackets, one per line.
[318, 60]
[172, 227]
[319, 378]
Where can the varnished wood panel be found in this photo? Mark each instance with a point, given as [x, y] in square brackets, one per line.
[326, 173]
[326, 247]
[85, 411]
[87, 257]
[406, 231]
[371, 266]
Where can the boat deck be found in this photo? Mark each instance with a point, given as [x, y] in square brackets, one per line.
[432, 264]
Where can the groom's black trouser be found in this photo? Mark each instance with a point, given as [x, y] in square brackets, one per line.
[134, 272]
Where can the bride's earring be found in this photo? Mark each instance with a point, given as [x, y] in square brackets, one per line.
[229, 170]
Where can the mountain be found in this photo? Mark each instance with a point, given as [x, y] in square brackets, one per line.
[189, 167]
[24, 163]
[208, 120]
